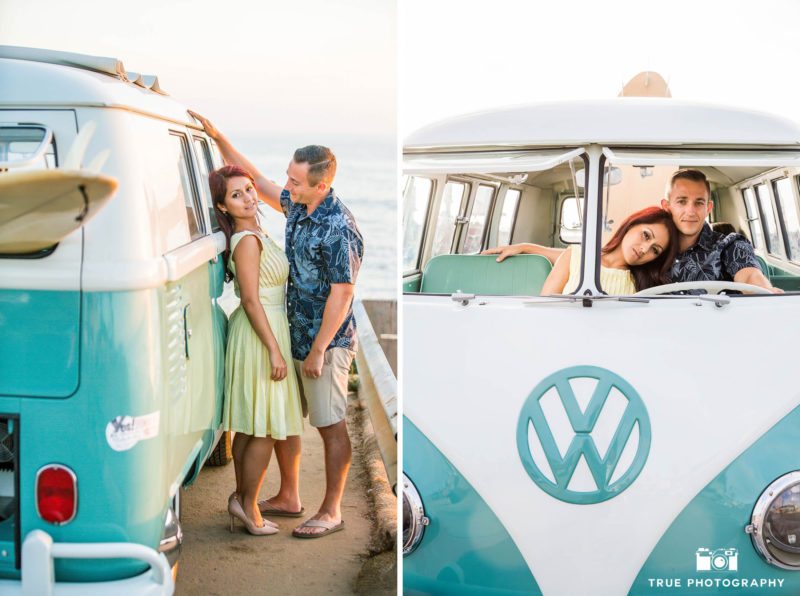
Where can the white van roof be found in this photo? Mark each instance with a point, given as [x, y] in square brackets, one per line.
[620, 121]
[32, 77]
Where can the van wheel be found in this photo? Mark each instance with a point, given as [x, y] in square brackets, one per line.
[221, 454]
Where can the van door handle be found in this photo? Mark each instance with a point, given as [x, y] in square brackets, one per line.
[187, 329]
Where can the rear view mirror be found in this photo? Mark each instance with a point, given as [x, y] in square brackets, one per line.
[611, 177]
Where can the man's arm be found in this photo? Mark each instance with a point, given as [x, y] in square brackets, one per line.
[753, 276]
[268, 191]
[336, 308]
[740, 257]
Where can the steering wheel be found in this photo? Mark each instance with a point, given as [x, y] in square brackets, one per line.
[712, 287]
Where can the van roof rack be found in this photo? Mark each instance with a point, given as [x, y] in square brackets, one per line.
[101, 64]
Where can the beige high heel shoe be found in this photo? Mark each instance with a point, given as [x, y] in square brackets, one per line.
[235, 511]
[234, 503]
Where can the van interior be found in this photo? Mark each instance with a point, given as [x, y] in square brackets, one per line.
[448, 218]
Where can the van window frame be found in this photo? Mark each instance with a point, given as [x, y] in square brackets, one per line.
[424, 236]
[454, 240]
[560, 219]
[770, 199]
[473, 196]
[188, 154]
[505, 189]
[754, 220]
[773, 182]
[205, 149]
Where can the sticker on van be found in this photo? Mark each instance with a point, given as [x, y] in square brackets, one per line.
[123, 432]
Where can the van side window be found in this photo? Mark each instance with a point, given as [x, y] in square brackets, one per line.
[416, 198]
[787, 212]
[206, 166]
[571, 224]
[507, 216]
[753, 218]
[187, 187]
[478, 218]
[774, 245]
[449, 216]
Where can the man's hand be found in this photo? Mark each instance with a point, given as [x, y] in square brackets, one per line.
[210, 129]
[312, 365]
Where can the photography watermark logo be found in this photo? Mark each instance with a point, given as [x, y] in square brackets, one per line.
[718, 570]
[721, 559]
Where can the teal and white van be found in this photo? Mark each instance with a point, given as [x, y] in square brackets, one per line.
[595, 444]
[111, 339]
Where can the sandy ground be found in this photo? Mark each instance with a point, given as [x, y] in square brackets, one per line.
[216, 562]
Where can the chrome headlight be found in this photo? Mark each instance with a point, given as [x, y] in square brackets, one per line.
[414, 520]
[775, 525]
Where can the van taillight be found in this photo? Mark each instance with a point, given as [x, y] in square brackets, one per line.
[56, 494]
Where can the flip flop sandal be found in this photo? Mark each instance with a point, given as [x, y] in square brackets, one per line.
[330, 528]
[266, 509]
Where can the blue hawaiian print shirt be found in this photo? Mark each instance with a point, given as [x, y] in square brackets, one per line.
[714, 257]
[323, 248]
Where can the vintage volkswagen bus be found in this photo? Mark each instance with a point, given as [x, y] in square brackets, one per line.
[595, 444]
[111, 339]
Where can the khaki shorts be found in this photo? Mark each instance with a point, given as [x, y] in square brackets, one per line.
[325, 399]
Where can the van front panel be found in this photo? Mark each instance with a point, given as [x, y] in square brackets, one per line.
[706, 393]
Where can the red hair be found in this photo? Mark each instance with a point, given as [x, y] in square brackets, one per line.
[657, 271]
[218, 183]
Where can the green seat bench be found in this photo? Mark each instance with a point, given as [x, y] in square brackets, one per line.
[521, 275]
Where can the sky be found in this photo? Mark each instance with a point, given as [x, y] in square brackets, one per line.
[251, 66]
[462, 56]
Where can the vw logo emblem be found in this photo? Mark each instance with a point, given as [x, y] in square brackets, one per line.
[534, 433]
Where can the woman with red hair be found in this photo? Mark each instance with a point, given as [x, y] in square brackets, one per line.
[262, 398]
[638, 256]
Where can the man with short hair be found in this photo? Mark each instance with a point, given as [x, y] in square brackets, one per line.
[702, 253]
[324, 248]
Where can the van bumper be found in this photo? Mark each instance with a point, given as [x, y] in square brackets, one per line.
[38, 577]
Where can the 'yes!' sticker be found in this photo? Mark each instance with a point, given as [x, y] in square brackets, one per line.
[123, 432]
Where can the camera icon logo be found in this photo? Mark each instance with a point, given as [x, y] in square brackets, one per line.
[721, 559]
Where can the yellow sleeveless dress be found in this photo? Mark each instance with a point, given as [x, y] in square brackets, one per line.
[615, 282]
[254, 403]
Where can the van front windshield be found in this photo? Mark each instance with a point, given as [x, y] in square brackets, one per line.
[708, 235]
[651, 229]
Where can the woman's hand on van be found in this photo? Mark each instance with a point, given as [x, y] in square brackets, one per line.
[278, 365]
[210, 129]
[504, 251]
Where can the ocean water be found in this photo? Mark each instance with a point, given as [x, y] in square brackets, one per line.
[366, 181]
